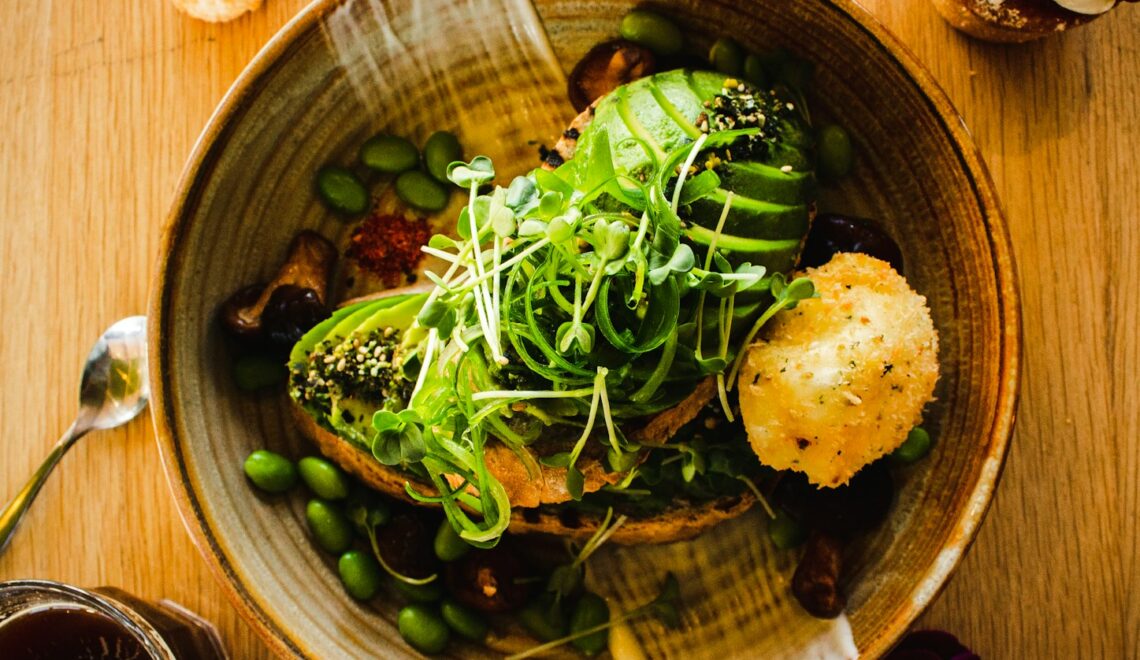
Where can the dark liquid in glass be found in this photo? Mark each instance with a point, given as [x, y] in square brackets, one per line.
[66, 633]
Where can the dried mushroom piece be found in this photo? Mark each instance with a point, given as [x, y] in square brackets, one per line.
[295, 296]
[606, 67]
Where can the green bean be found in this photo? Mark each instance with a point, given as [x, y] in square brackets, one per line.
[836, 156]
[916, 445]
[753, 71]
[591, 610]
[341, 191]
[440, 150]
[420, 593]
[652, 30]
[421, 191]
[421, 627]
[360, 573]
[465, 621]
[326, 480]
[258, 372]
[270, 471]
[448, 545]
[330, 529]
[727, 56]
[785, 532]
[390, 154]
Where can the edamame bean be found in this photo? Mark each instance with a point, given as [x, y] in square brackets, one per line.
[257, 372]
[341, 191]
[836, 156]
[326, 480]
[462, 620]
[916, 445]
[421, 627]
[421, 593]
[448, 545]
[390, 154]
[785, 532]
[544, 619]
[727, 56]
[440, 150]
[270, 471]
[652, 30]
[421, 191]
[330, 529]
[591, 610]
[360, 573]
[753, 71]
[796, 72]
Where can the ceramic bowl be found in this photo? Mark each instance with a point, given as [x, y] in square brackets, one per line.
[494, 71]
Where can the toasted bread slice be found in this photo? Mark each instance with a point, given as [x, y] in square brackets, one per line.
[681, 521]
[528, 489]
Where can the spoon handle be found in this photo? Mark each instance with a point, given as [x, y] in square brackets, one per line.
[14, 512]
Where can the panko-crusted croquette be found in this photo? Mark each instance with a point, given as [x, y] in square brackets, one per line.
[841, 379]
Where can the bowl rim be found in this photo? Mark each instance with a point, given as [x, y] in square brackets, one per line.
[236, 101]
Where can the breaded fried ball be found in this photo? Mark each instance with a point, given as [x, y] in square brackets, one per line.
[841, 379]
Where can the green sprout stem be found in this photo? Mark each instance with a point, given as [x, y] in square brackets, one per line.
[391, 571]
[700, 142]
[708, 264]
[759, 496]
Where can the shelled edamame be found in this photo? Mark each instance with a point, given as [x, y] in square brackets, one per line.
[270, 471]
[325, 479]
[419, 182]
[389, 154]
[652, 30]
[422, 627]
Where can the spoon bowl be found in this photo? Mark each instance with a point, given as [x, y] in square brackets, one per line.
[114, 388]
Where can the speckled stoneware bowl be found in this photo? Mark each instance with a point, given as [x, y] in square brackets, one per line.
[494, 71]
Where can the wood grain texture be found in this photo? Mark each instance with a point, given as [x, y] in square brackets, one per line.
[103, 101]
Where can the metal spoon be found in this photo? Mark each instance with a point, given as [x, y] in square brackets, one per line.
[113, 391]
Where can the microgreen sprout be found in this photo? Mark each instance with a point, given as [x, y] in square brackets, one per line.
[787, 296]
[399, 437]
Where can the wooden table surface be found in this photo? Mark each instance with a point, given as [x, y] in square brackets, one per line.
[101, 101]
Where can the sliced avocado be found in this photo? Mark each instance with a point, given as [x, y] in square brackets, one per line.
[768, 183]
[351, 419]
[642, 121]
[705, 84]
[348, 416]
[751, 217]
[778, 256]
[781, 155]
[342, 322]
[400, 316]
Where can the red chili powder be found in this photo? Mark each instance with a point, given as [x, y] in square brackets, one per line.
[388, 245]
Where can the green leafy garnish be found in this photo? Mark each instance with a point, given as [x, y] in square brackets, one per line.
[399, 437]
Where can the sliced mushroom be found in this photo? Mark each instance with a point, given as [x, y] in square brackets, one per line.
[606, 67]
[816, 580]
[308, 267]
